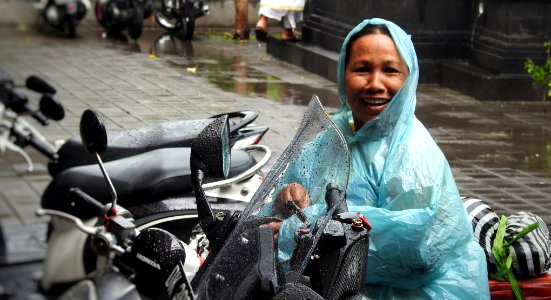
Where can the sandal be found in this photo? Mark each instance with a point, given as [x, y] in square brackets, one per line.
[261, 34]
[292, 39]
[241, 37]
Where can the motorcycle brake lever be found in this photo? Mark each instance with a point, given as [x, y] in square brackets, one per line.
[292, 207]
[78, 223]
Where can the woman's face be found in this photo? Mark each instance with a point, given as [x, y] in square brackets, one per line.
[374, 73]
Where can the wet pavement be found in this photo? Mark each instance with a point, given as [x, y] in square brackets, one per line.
[499, 151]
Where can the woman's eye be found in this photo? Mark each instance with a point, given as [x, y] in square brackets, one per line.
[362, 69]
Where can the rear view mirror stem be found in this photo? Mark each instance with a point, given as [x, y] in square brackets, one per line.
[204, 210]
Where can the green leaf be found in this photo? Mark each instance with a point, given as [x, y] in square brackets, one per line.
[541, 75]
[504, 258]
[497, 248]
[515, 286]
[522, 233]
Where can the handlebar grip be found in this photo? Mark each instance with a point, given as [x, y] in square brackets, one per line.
[42, 147]
[40, 117]
[39, 85]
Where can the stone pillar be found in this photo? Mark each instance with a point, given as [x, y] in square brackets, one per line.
[509, 31]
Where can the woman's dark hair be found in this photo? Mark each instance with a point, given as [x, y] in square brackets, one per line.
[369, 29]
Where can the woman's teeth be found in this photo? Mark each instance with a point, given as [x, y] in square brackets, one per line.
[375, 101]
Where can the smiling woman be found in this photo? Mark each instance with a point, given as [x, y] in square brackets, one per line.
[421, 243]
[374, 73]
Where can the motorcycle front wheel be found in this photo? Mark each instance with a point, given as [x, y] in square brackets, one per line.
[136, 25]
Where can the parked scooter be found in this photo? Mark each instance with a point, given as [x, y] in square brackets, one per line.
[155, 187]
[118, 15]
[328, 255]
[63, 15]
[15, 132]
[178, 16]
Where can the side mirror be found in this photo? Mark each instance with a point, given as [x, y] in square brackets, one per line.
[94, 138]
[92, 132]
[51, 108]
[210, 155]
[211, 150]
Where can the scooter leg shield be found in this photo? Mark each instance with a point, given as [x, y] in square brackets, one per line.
[64, 257]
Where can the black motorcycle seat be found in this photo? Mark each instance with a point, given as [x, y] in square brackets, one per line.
[131, 142]
[144, 178]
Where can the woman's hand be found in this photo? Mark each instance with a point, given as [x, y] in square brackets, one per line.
[275, 226]
[295, 192]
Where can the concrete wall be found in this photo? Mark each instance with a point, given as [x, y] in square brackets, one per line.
[14, 12]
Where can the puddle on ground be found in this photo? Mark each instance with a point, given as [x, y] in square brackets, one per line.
[499, 134]
[229, 68]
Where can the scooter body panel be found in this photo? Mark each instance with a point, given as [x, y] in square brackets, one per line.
[64, 262]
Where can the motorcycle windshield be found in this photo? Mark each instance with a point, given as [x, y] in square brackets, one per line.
[254, 259]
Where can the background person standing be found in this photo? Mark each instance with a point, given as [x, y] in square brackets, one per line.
[241, 20]
[287, 11]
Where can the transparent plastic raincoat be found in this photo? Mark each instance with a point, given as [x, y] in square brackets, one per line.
[421, 244]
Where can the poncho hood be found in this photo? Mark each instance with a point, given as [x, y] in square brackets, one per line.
[401, 108]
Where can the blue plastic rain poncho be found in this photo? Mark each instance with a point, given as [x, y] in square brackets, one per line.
[421, 244]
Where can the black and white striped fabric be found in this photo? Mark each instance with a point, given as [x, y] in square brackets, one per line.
[485, 222]
[531, 254]
[534, 250]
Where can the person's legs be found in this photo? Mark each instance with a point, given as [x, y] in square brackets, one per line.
[241, 19]
[287, 34]
[289, 23]
[262, 23]
[261, 30]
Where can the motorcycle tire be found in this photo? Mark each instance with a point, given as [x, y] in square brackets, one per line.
[111, 25]
[169, 24]
[188, 25]
[136, 25]
[71, 26]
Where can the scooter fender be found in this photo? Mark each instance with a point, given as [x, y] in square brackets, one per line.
[64, 261]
